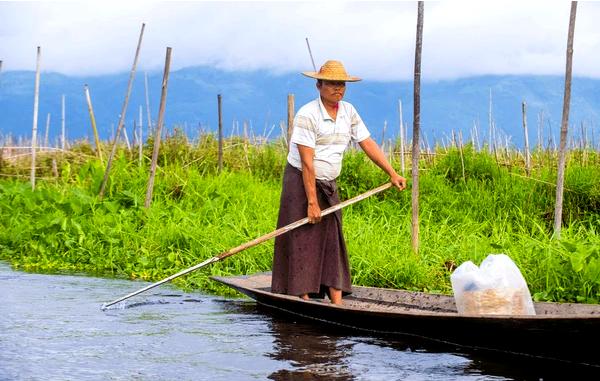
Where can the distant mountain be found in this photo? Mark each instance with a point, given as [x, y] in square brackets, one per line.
[259, 97]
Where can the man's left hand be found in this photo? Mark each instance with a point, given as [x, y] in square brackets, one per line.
[398, 181]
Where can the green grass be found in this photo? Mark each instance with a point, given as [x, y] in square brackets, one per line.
[197, 213]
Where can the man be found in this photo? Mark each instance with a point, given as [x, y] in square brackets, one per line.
[312, 260]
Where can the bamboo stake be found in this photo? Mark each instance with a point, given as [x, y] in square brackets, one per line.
[141, 138]
[93, 121]
[254, 242]
[47, 130]
[565, 124]
[126, 138]
[290, 115]
[62, 123]
[159, 124]
[383, 135]
[416, 127]
[136, 138]
[527, 153]
[245, 145]
[252, 135]
[311, 56]
[490, 136]
[477, 143]
[494, 144]
[551, 142]
[462, 158]
[283, 134]
[584, 145]
[592, 137]
[220, 152]
[147, 102]
[402, 164]
[540, 142]
[122, 118]
[36, 102]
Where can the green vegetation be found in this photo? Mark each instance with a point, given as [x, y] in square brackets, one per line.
[471, 204]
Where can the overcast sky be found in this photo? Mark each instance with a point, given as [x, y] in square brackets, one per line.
[375, 40]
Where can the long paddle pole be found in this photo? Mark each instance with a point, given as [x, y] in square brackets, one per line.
[254, 242]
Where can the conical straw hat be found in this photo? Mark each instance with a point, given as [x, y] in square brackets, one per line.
[331, 71]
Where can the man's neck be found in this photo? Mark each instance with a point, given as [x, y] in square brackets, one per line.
[330, 106]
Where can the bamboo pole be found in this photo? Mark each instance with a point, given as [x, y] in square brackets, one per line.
[245, 144]
[159, 124]
[141, 138]
[220, 152]
[147, 102]
[36, 102]
[565, 124]
[135, 137]
[462, 156]
[526, 133]
[255, 242]
[551, 142]
[402, 164]
[122, 118]
[252, 139]
[476, 129]
[290, 116]
[490, 125]
[311, 56]
[540, 131]
[416, 127]
[88, 98]
[47, 130]
[126, 138]
[62, 123]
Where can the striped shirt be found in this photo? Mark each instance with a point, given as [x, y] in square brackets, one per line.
[314, 128]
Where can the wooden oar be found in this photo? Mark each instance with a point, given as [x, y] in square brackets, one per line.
[254, 242]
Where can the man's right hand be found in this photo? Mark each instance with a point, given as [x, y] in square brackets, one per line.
[314, 213]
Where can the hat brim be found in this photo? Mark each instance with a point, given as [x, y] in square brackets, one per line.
[317, 75]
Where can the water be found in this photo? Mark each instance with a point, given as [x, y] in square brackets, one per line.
[52, 328]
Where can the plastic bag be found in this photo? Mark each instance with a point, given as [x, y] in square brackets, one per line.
[495, 288]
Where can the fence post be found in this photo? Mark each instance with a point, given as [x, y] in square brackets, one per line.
[527, 153]
[36, 102]
[220, 153]
[564, 125]
[122, 118]
[416, 127]
[159, 124]
[290, 118]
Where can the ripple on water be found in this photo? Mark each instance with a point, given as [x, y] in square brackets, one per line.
[51, 329]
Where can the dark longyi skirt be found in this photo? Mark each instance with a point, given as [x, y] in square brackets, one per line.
[313, 257]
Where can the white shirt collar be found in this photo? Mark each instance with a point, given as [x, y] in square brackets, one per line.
[324, 114]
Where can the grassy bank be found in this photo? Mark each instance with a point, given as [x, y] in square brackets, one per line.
[472, 204]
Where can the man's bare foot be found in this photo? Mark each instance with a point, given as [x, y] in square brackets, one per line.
[335, 295]
[304, 297]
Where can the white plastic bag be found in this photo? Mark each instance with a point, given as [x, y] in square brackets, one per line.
[494, 288]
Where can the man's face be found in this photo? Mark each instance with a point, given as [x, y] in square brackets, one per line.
[332, 91]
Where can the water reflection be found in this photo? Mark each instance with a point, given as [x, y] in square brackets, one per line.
[313, 355]
[51, 328]
[314, 351]
[321, 352]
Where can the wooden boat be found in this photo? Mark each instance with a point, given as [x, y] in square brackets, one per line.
[564, 332]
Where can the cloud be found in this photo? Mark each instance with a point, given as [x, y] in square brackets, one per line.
[374, 39]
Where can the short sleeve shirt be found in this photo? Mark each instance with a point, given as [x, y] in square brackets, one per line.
[314, 128]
